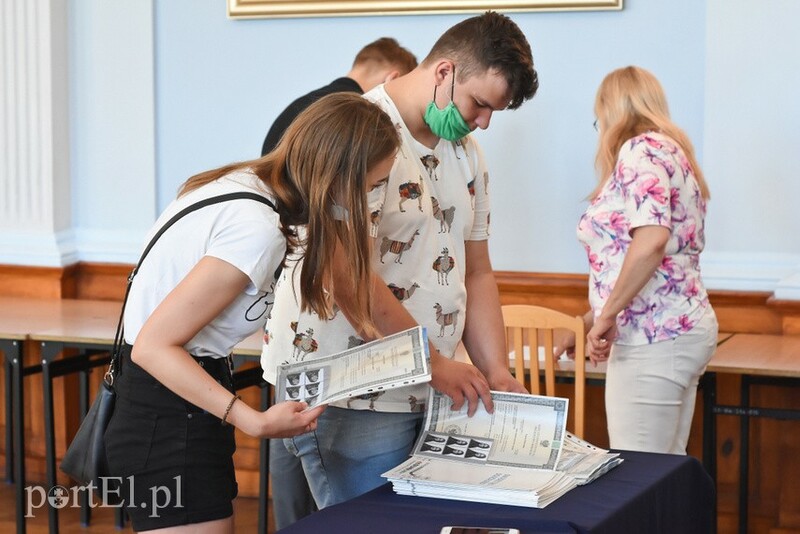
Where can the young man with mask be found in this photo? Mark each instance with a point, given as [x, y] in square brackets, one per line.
[430, 259]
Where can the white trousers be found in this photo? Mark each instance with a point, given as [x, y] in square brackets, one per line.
[651, 389]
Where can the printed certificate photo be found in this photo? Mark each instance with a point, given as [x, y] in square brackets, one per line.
[524, 431]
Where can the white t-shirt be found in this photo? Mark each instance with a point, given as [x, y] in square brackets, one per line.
[242, 232]
[435, 201]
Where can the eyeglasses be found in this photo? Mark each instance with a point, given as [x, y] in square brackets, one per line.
[594, 124]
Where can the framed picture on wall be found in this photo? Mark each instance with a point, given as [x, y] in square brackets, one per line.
[324, 8]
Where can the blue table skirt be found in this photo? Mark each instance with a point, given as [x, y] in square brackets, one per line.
[647, 493]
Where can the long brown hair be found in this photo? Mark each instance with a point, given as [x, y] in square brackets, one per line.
[322, 160]
[630, 101]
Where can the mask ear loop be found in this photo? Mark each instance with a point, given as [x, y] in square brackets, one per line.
[452, 84]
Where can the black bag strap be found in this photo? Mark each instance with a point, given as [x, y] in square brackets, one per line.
[119, 336]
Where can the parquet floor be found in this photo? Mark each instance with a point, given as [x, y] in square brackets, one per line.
[245, 517]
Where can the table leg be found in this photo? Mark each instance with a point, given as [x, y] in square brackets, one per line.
[9, 398]
[263, 471]
[709, 385]
[48, 353]
[83, 392]
[19, 432]
[744, 455]
[119, 518]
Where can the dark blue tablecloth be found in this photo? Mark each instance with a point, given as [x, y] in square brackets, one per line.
[647, 493]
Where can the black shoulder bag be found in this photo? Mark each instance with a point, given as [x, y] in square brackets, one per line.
[85, 459]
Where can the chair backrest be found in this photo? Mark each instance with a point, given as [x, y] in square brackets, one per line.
[533, 327]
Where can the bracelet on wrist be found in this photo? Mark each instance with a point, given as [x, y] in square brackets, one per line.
[228, 410]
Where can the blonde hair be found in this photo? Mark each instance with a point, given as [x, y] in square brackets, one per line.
[322, 160]
[630, 101]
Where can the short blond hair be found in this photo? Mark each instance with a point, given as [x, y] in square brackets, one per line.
[387, 51]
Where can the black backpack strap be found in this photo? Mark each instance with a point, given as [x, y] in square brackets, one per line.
[120, 334]
[194, 207]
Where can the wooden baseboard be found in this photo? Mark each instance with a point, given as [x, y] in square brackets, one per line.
[37, 282]
[737, 311]
[95, 281]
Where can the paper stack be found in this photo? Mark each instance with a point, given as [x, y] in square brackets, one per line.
[443, 479]
[585, 462]
[519, 455]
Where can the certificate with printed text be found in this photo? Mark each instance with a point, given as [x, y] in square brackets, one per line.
[397, 360]
[524, 431]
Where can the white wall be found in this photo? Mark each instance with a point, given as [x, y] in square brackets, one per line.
[751, 138]
[217, 97]
[165, 89]
[112, 118]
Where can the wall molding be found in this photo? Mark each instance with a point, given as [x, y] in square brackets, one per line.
[41, 248]
[738, 311]
[109, 246]
[747, 271]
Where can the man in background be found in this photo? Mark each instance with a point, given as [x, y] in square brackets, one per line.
[376, 63]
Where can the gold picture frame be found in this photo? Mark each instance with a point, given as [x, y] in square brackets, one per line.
[249, 9]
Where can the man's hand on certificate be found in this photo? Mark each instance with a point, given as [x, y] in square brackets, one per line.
[503, 380]
[461, 382]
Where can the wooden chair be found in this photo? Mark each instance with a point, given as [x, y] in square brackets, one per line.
[533, 326]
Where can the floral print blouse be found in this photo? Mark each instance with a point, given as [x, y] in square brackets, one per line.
[652, 184]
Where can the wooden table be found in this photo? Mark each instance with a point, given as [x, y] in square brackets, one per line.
[759, 359]
[20, 319]
[88, 326]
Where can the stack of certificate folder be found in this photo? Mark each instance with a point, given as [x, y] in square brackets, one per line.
[518, 455]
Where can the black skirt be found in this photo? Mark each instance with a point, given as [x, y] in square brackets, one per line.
[171, 462]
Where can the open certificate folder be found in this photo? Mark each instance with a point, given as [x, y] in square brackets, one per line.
[398, 360]
[524, 431]
[506, 457]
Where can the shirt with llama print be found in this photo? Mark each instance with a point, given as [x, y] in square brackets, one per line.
[435, 201]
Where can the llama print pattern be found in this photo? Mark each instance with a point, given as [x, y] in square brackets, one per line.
[430, 162]
[411, 191]
[304, 344]
[412, 221]
[396, 247]
[371, 397]
[471, 189]
[444, 216]
[443, 265]
[415, 405]
[445, 319]
[375, 218]
[401, 293]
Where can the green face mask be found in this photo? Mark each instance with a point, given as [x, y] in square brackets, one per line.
[446, 123]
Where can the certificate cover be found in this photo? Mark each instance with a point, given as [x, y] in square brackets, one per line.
[397, 360]
[521, 454]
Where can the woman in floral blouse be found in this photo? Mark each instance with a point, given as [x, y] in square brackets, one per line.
[643, 232]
